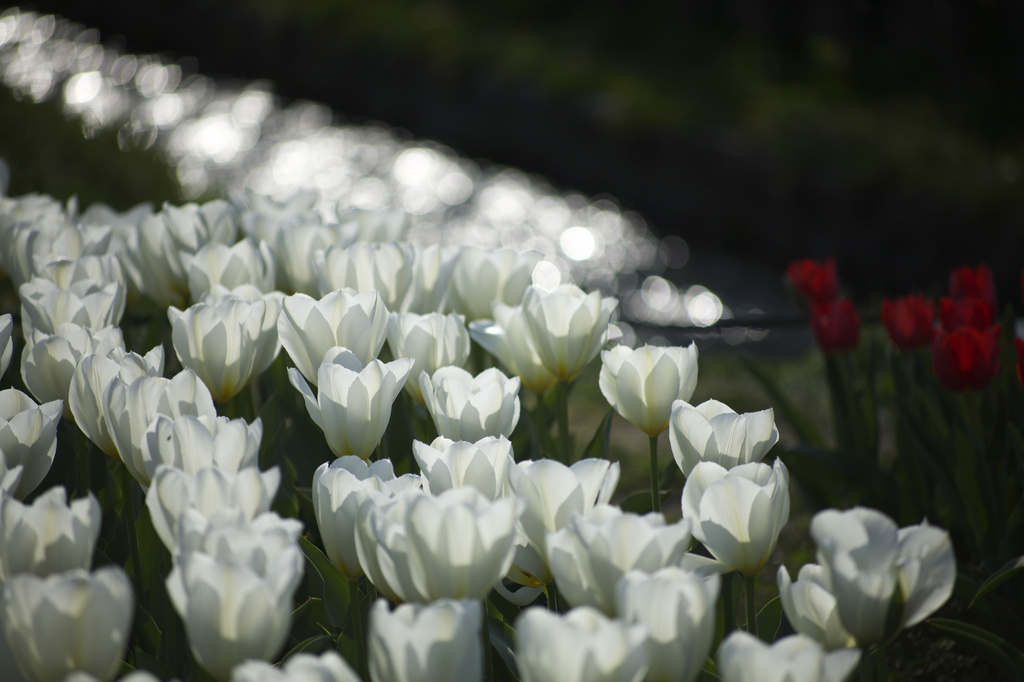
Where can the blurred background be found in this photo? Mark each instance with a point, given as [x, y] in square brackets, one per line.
[886, 134]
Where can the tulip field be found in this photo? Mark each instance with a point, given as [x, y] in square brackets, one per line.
[241, 442]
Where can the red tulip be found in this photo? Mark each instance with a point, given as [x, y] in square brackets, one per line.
[818, 282]
[836, 325]
[1019, 343]
[966, 358]
[910, 321]
[966, 311]
[979, 283]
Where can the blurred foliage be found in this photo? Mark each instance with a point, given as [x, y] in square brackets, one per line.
[48, 153]
[642, 68]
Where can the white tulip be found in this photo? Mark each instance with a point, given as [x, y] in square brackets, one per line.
[553, 494]
[246, 262]
[48, 361]
[460, 543]
[309, 328]
[231, 611]
[67, 272]
[338, 488]
[129, 409]
[28, 439]
[93, 374]
[866, 558]
[73, 621]
[679, 609]
[593, 551]
[579, 646]
[387, 267]
[507, 338]
[207, 491]
[642, 384]
[483, 465]
[738, 513]
[88, 303]
[227, 342]
[383, 548]
[464, 407]
[191, 443]
[353, 402]
[433, 341]
[413, 643]
[264, 544]
[811, 608]
[568, 327]
[6, 344]
[713, 432]
[432, 272]
[797, 658]
[294, 248]
[483, 276]
[48, 536]
[359, 225]
[327, 667]
[263, 217]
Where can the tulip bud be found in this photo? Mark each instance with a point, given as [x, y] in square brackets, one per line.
[338, 488]
[384, 266]
[73, 621]
[976, 283]
[483, 276]
[580, 645]
[817, 282]
[483, 465]
[48, 536]
[567, 326]
[507, 338]
[966, 358]
[464, 407]
[309, 328]
[642, 384]
[227, 342]
[432, 272]
[745, 658]
[432, 341]
[836, 325]
[327, 667]
[965, 311]
[413, 643]
[353, 402]
[910, 321]
[230, 266]
[590, 554]
[207, 491]
[679, 609]
[713, 432]
[738, 513]
[28, 440]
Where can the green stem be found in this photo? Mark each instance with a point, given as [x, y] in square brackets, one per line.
[540, 423]
[729, 608]
[655, 488]
[748, 593]
[84, 452]
[128, 508]
[485, 632]
[356, 604]
[552, 597]
[564, 453]
[881, 673]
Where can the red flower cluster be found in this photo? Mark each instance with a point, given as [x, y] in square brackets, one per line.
[818, 282]
[965, 353]
[834, 320]
[910, 321]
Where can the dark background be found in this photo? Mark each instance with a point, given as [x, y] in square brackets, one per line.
[886, 134]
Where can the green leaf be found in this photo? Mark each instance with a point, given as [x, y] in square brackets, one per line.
[333, 585]
[1013, 568]
[144, 661]
[805, 429]
[768, 620]
[600, 443]
[502, 635]
[313, 645]
[637, 503]
[1000, 653]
